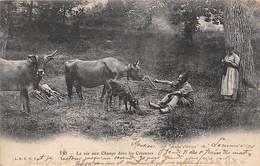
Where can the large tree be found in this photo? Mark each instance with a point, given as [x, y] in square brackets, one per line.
[238, 16]
[4, 25]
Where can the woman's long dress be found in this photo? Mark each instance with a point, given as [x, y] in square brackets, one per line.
[230, 81]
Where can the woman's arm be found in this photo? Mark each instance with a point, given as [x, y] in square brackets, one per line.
[232, 64]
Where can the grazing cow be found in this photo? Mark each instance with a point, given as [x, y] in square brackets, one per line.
[115, 88]
[20, 75]
[94, 73]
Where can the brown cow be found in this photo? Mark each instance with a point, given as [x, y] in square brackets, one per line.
[94, 73]
[20, 75]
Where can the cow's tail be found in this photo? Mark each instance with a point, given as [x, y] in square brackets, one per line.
[108, 72]
[69, 78]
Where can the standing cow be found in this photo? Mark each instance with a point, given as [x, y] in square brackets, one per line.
[20, 75]
[90, 74]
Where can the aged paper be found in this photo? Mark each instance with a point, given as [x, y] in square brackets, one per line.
[235, 148]
[60, 57]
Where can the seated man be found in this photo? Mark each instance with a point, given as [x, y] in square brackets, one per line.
[179, 94]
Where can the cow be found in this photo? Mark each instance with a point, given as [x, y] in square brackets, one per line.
[21, 75]
[90, 74]
[115, 88]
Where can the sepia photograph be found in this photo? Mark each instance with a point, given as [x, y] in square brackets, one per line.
[129, 82]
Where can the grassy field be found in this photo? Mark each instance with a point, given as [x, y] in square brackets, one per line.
[89, 118]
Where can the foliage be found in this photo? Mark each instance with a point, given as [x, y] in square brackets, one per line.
[52, 16]
[3, 14]
[188, 12]
[8, 10]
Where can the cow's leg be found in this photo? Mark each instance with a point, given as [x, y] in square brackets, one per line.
[106, 89]
[69, 83]
[110, 101]
[110, 97]
[103, 93]
[119, 102]
[79, 90]
[117, 76]
[125, 102]
[22, 101]
[25, 103]
[69, 89]
[107, 98]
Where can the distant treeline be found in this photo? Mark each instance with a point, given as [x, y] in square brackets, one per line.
[65, 18]
[59, 19]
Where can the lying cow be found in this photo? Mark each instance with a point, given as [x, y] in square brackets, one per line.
[20, 75]
[90, 74]
[115, 88]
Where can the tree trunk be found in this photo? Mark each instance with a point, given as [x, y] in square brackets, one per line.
[30, 17]
[30, 14]
[63, 14]
[9, 18]
[3, 28]
[3, 48]
[238, 15]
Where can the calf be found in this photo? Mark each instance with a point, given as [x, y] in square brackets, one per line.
[115, 88]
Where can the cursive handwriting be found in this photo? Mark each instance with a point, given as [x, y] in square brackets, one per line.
[219, 152]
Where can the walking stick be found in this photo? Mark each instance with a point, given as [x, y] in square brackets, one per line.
[153, 86]
[151, 82]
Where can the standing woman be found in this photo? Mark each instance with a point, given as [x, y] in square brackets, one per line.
[230, 78]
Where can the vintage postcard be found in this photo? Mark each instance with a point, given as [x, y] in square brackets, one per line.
[129, 82]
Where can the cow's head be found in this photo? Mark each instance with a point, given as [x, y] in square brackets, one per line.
[39, 63]
[135, 72]
[135, 103]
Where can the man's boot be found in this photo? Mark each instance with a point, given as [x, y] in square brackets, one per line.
[154, 106]
[165, 110]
